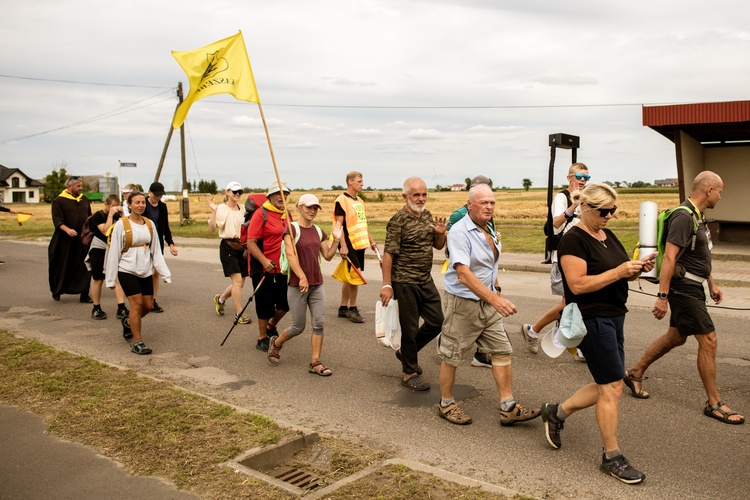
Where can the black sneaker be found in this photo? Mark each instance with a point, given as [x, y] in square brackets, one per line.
[262, 345]
[354, 315]
[343, 312]
[140, 348]
[157, 308]
[86, 299]
[483, 359]
[127, 333]
[122, 312]
[552, 424]
[620, 468]
[271, 331]
[97, 313]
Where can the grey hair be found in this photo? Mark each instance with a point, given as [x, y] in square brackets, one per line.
[479, 187]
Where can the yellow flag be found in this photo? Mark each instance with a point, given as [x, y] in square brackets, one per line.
[219, 68]
[22, 217]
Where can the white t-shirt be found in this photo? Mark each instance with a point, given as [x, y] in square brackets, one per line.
[229, 221]
[559, 205]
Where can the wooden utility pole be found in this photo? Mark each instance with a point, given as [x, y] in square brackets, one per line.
[185, 203]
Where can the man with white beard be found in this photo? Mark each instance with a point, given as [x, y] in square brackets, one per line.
[411, 235]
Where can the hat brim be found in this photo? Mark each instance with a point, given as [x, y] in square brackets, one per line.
[550, 347]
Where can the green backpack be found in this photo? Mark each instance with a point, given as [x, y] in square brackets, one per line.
[662, 228]
[283, 261]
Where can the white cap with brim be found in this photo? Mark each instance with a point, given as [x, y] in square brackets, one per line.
[572, 330]
[233, 186]
[308, 200]
[274, 188]
[550, 345]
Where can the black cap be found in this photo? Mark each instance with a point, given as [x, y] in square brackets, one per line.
[157, 188]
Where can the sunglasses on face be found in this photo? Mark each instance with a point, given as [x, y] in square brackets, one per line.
[603, 212]
[585, 177]
[238, 192]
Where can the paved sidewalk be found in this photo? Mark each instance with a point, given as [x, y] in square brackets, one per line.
[35, 464]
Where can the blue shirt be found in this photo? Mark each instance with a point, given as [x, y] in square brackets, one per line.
[467, 245]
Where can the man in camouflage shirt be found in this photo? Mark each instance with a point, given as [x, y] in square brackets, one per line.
[411, 235]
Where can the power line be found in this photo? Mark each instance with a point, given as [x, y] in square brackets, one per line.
[82, 83]
[109, 114]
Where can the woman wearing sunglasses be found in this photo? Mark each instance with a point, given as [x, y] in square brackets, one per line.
[228, 218]
[596, 270]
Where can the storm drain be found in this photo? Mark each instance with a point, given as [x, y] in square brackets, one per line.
[268, 464]
[299, 478]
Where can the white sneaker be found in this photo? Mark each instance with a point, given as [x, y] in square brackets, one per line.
[531, 342]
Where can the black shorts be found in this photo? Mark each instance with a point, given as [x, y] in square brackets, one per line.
[232, 261]
[603, 348]
[688, 312]
[96, 259]
[271, 295]
[133, 285]
[358, 258]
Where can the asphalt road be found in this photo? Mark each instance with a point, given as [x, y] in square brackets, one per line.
[684, 454]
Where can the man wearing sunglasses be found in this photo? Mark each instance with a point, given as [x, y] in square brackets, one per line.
[564, 216]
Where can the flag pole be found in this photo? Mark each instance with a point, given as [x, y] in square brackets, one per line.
[275, 168]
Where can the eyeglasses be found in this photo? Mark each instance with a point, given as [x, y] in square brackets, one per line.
[603, 212]
[238, 192]
[585, 177]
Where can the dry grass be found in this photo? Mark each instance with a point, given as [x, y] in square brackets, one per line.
[155, 429]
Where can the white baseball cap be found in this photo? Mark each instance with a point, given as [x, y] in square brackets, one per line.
[308, 200]
[550, 345]
[233, 186]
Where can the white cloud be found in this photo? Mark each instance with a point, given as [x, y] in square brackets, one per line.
[367, 131]
[421, 134]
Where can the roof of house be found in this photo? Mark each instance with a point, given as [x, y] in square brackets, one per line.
[707, 122]
[6, 172]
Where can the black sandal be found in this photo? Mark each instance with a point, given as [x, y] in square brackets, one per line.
[709, 410]
[629, 379]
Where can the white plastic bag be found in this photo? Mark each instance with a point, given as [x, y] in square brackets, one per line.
[387, 326]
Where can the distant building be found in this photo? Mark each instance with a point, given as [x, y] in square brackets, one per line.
[17, 187]
[458, 187]
[105, 184]
[667, 182]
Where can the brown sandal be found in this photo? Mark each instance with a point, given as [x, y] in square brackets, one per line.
[629, 379]
[273, 350]
[318, 368]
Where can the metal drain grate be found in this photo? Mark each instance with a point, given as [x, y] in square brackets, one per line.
[299, 478]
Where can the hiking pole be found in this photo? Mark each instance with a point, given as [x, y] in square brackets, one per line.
[238, 316]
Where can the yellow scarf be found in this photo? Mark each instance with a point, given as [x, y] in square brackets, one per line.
[271, 208]
[66, 194]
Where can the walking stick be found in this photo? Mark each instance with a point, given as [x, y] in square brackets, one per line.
[238, 316]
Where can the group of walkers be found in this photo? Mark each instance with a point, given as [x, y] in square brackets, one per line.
[282, 253]
[125, 253]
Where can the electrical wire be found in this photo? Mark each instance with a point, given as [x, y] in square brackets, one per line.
[82, 83]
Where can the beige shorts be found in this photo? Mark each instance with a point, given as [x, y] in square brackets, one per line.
[467, 322]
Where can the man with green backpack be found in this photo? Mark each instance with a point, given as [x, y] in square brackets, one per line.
[685, 268]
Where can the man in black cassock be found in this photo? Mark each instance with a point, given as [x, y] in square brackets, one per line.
[67, 272]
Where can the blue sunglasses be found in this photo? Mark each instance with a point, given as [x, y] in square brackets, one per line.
[585, 177]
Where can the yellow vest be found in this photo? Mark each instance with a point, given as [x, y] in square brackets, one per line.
[356, 221]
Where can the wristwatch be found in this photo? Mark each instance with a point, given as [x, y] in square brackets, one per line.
[662, 295]
[498, 289]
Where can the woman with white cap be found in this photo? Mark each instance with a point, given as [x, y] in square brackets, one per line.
[306, 280]
[228, 218]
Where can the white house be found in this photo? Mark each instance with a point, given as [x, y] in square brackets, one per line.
[17, 187]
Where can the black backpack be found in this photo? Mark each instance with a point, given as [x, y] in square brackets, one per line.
[553, 240]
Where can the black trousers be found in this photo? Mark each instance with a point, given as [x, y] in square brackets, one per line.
[415, 301]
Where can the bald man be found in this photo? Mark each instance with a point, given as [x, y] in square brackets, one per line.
[686, 267]
[411, 235]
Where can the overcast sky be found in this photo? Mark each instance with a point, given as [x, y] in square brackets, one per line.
[440, 89]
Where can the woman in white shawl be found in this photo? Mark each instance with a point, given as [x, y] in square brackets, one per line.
[133, 254]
